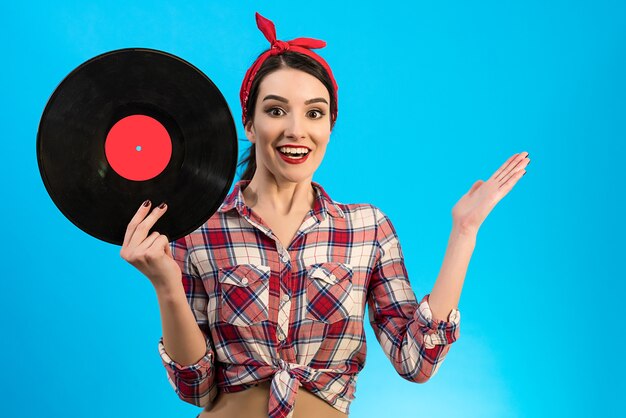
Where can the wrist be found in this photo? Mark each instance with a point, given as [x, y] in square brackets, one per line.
[169, 290]
[463, 232]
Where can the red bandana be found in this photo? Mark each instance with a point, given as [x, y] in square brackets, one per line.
[301, 45]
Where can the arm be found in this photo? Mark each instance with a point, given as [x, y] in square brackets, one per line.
[467, 216]
[185, 348]
[447, 289]
[414, 341]
[184, 324]
[182, 338]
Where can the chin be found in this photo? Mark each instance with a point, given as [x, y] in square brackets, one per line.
[294, 177]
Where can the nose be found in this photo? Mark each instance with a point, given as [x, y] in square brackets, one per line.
[295, 128]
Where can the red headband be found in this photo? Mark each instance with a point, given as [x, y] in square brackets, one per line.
[301, 45]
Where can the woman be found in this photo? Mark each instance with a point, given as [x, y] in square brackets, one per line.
[268, 316]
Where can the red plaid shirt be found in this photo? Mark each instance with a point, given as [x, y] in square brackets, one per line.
[296, 315]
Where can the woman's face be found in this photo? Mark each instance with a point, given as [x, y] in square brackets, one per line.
[292, 114]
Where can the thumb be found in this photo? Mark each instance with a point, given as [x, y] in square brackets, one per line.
[475, 186]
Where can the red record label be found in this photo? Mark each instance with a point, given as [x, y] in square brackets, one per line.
[138, 147]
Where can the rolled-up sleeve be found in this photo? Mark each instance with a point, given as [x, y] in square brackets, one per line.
[195, 383]
[414, 341]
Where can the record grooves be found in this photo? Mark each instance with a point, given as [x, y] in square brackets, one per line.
[131, 125]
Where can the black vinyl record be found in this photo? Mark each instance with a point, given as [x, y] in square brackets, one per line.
[136, 124]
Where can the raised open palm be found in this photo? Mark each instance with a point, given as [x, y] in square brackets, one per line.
[470, 212]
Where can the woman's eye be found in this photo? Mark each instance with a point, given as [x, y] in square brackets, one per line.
[316, 114]
[275, 111]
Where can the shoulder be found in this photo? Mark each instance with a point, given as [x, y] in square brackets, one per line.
[363, 214]
[358, 209]
[349, 209]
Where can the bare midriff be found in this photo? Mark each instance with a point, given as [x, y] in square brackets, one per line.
[253, 403]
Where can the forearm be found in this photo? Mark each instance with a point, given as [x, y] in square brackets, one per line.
[183, 340]
[446, 292]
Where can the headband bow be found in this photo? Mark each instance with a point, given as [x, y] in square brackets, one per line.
[301, 45]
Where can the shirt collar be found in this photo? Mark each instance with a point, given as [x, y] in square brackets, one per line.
[323, 203]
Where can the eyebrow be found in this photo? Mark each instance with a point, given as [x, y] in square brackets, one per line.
[282, 99]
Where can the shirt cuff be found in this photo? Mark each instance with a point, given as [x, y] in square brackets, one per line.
[191, 373]
[436, 331]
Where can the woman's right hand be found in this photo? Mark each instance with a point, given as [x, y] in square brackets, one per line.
[150, 254]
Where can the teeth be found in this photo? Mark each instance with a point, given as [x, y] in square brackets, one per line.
[291, 150]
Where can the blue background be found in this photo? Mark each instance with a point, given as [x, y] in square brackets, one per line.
[432, 97]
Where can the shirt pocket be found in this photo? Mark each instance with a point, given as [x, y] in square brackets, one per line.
[244, 294]
[329, 292]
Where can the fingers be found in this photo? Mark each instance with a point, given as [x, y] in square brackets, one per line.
[146, 243]
[168, 249]
[503, 167]
[139, 215]
[151, 241]
[140, 224]
[149, 250]
[511, 181]
[513, 164]
[141, 232]
[160, 244]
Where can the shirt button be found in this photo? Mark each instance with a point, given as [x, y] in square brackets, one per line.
[286, 297]
[285, 258]
[280, 336]
[333, 277]
[244, 280]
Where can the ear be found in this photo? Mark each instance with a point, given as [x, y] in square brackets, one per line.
[250, 132]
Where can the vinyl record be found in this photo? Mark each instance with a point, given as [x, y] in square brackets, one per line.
[136, 124]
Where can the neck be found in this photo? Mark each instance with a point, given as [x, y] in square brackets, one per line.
[281, 197]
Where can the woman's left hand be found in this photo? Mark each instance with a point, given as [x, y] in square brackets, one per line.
[470, 212]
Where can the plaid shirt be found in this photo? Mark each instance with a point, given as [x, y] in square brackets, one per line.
[295, 315]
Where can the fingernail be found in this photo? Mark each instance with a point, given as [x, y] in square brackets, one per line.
[146, 203]
[162, 205]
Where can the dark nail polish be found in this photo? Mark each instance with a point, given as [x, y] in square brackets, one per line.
[162, 205]
[146, 203]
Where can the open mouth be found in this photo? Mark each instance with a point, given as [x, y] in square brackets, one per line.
[293, 152]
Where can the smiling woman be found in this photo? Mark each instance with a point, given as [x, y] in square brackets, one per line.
[301, 66]
[289, 129]
[263, 306]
